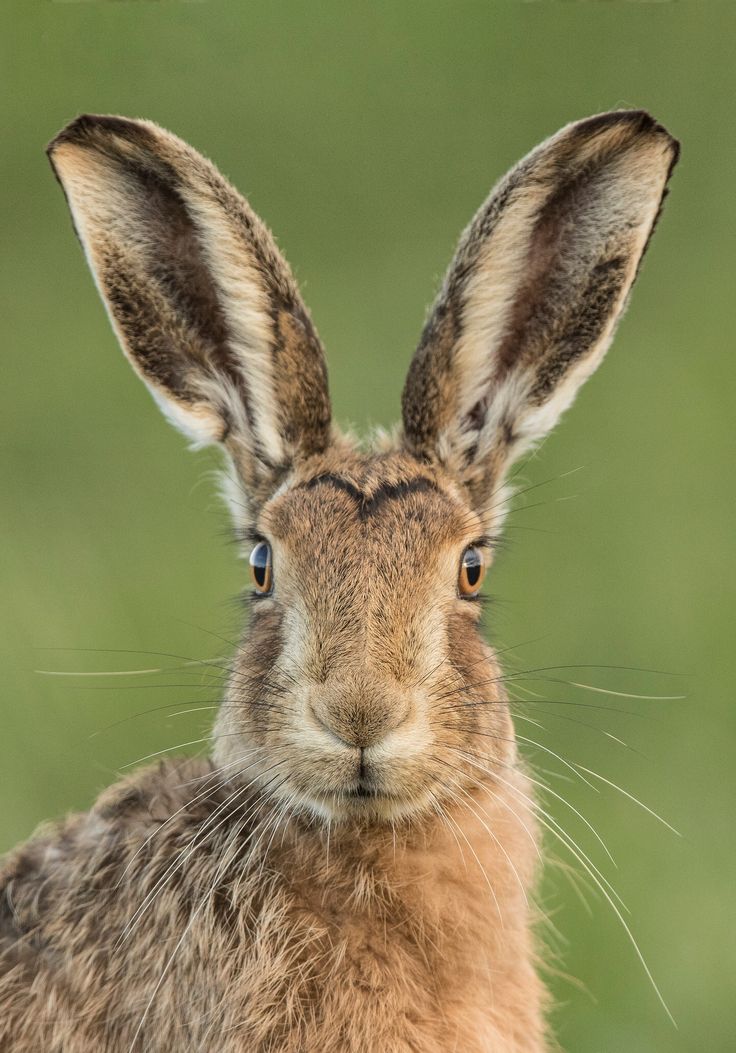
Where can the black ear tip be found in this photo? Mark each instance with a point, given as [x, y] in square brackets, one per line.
[77, 131]
[634, 120]
[94, 128]
[632, 123]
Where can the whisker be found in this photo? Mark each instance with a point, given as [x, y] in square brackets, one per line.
[438, 808]
[625, 926]
[488, 830]
[203, 901]
[201, 834]
[480, 866]
[211, 778]
[631, 797]
[561, 832]
[628, 694]
[168, 749]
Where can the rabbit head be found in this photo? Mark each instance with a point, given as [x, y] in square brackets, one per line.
[363, 689]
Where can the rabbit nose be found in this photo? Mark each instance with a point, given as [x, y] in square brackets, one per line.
[359, 717]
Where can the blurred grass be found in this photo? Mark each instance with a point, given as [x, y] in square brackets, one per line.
[367, 136]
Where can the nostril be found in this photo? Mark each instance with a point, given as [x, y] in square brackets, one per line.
[331, 731]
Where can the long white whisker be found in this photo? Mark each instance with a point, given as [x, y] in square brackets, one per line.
[168, 749]
[628, 694]
[562, 833]
[195, 842]
[545, 749]
[480, 866]
[437, 806]
[549, 823]
[210, 780]
[202, 903]
[631, 797]
[488, 830]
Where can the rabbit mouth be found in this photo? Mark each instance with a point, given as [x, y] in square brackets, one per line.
[363, 799]
[361, 790]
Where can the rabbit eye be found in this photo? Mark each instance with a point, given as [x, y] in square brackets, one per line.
[472, 572]
[261, 570]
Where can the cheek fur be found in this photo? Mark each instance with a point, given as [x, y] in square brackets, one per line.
[263, 645]
[475, 714]
[253, 686]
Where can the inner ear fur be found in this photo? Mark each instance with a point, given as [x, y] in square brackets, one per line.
[204, 305]
[531, 299]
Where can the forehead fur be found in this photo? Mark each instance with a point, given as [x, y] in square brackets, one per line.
[379, 489]
[366, 552]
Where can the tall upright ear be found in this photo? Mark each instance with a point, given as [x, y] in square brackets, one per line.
[203, 304]
[532, 297]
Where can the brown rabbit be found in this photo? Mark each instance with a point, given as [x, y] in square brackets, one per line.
[351, 871]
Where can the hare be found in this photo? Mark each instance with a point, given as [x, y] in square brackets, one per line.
[352, 870]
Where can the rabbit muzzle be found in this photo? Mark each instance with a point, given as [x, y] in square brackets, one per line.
[357, 712]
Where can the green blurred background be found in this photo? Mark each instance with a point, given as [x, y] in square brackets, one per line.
[367, 135]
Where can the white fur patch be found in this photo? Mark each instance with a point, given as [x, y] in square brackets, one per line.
[245, 304]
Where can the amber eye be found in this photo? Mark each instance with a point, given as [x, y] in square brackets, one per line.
[472, 572]
[261, 570]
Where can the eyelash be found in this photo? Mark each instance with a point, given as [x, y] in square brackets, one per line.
[486, 542]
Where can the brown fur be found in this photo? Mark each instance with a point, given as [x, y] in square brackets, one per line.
[352, 871]
[371, 945]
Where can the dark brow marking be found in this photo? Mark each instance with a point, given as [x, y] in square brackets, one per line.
[333, 480]
[368, 505]
[391, 491]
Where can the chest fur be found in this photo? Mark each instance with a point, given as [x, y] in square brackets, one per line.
[408, 948]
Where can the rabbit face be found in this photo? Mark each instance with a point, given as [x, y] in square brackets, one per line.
[367, 646]
[364, 687]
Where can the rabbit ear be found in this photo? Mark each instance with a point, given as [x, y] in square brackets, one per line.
[531, 299]
[204, 306]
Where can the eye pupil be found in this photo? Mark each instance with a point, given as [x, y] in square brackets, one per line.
[472, 571]
[260, 567]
